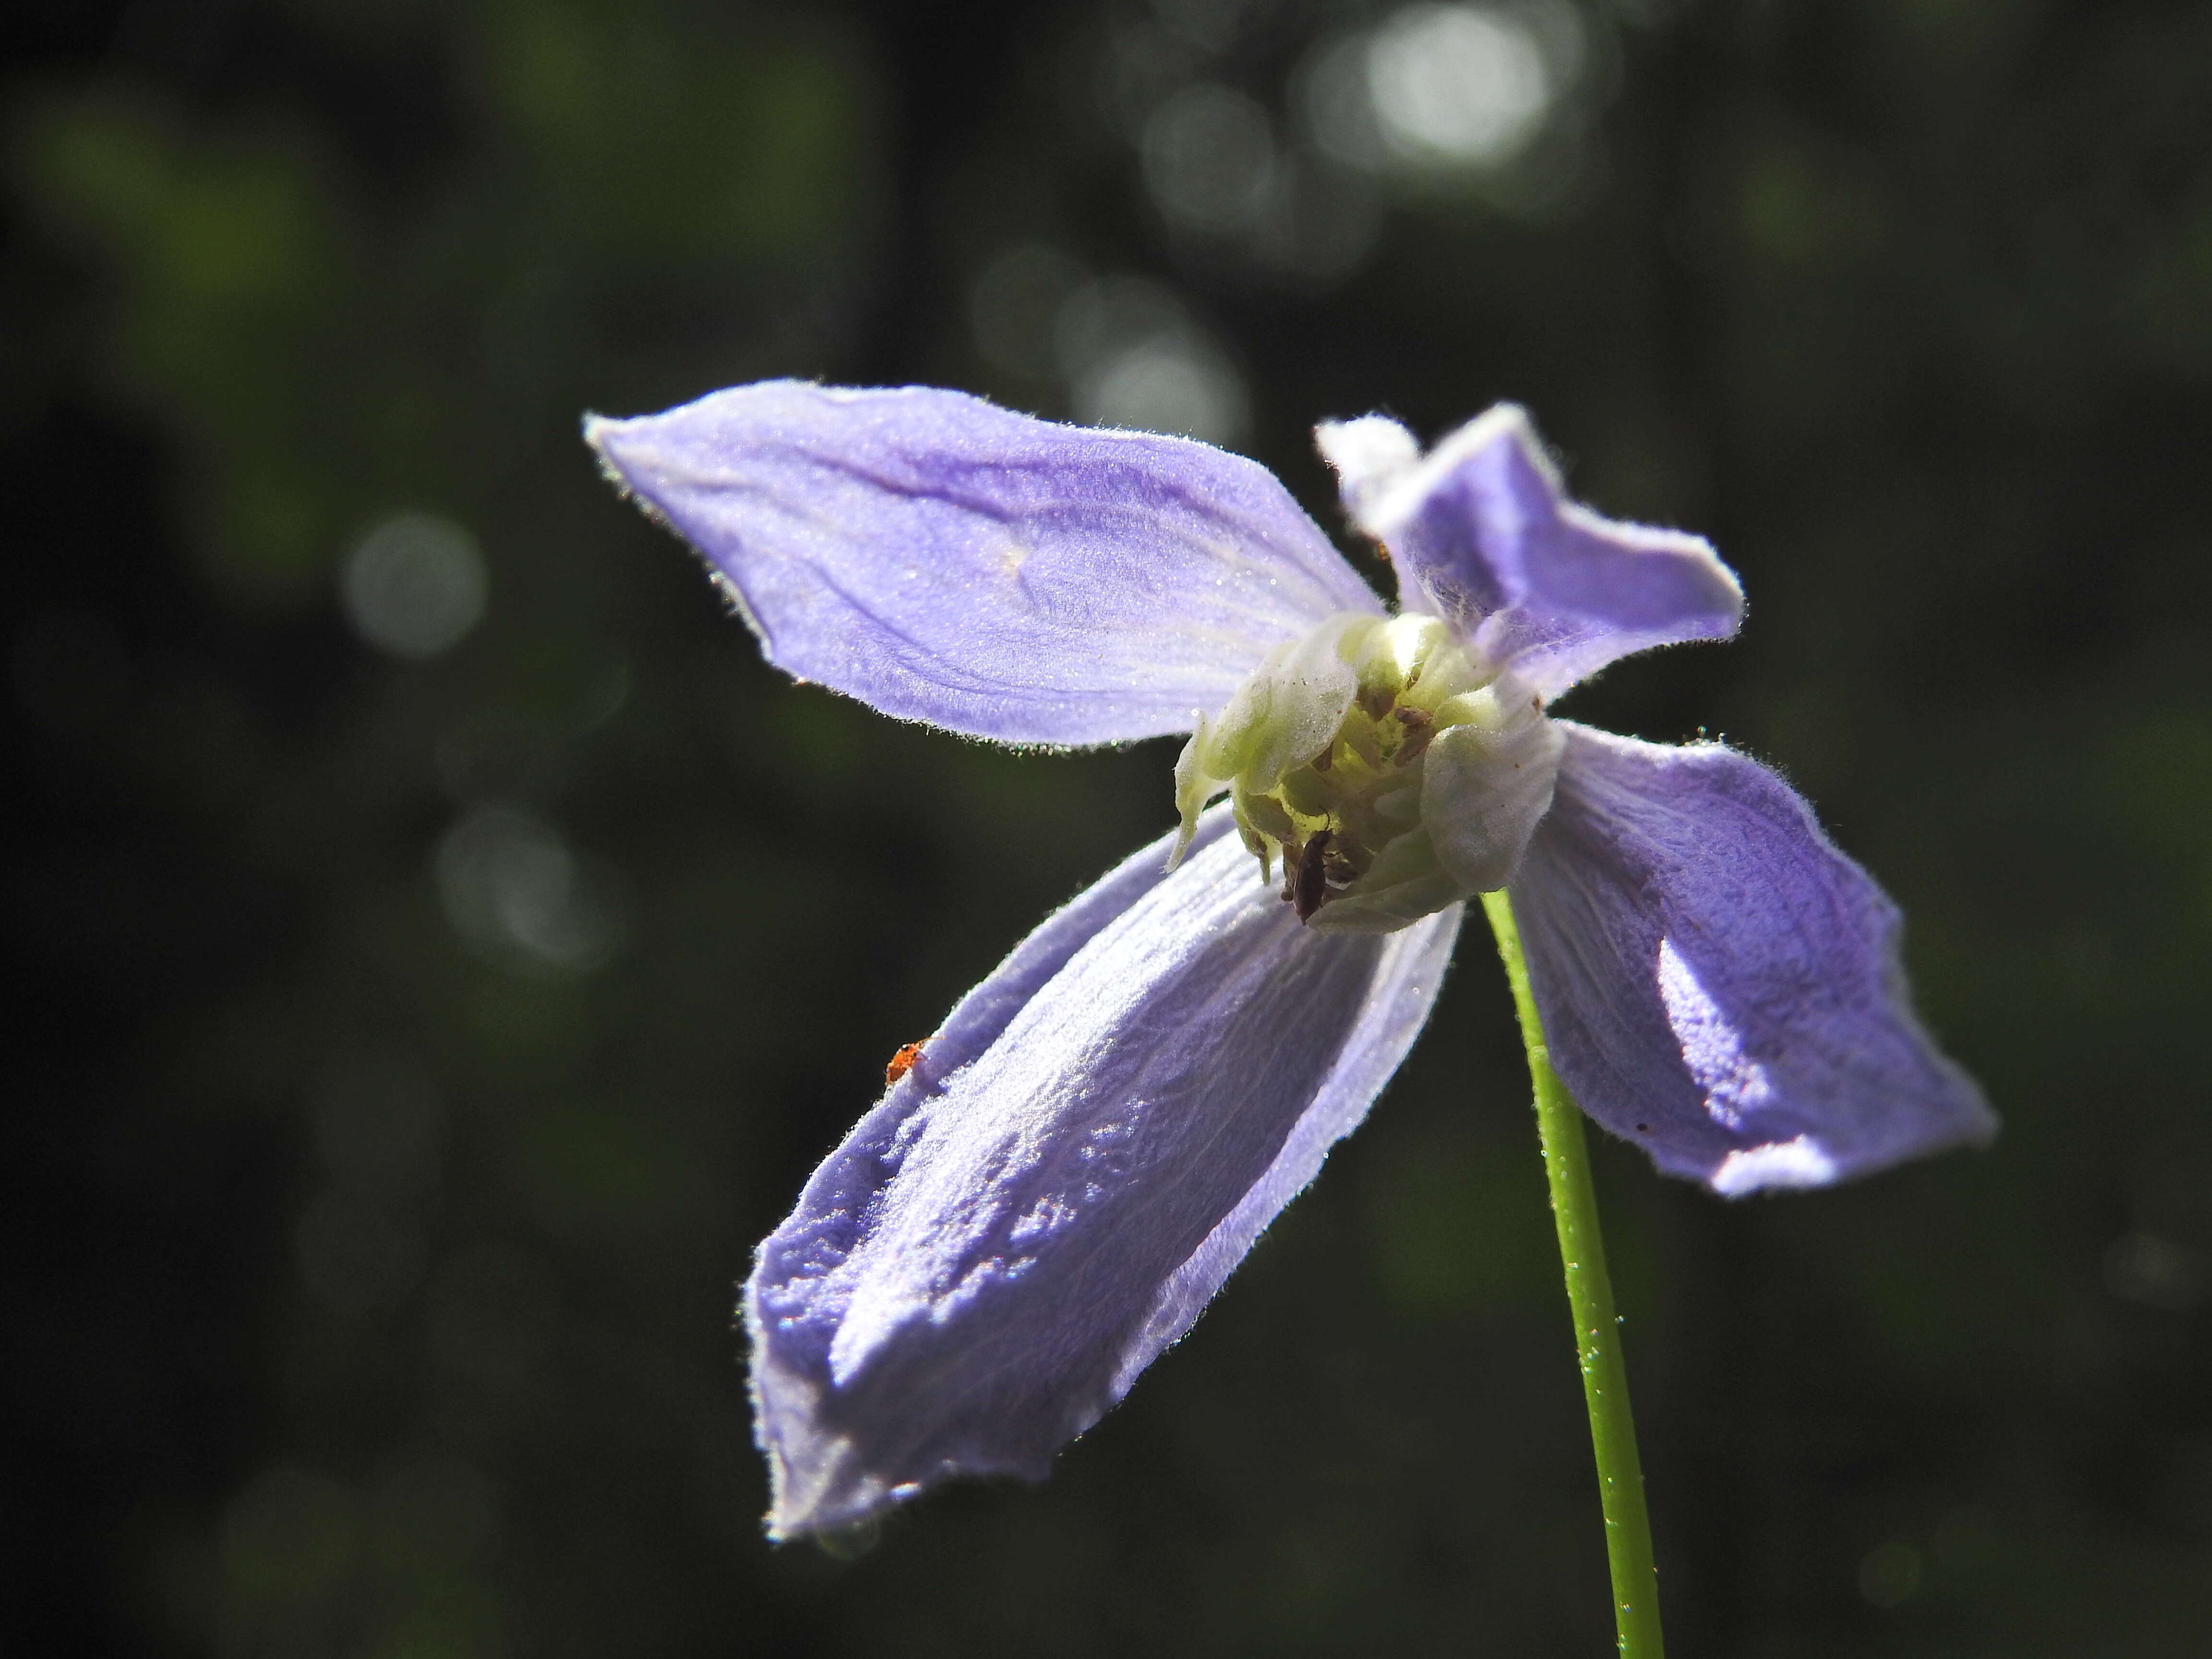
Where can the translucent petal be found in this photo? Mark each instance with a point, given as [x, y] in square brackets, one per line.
[1483, 536]
[944, 560]
[986, 1264]
[1718, 983]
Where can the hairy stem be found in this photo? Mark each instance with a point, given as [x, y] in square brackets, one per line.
[1597, 1327]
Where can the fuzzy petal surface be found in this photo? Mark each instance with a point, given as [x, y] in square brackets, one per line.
[1052, 1196]
[1483, 534]
[944, 560]
[1719, 984]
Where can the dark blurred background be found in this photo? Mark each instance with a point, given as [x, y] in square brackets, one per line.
[440, 948]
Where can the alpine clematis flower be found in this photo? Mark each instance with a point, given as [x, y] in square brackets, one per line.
[1096, 1134]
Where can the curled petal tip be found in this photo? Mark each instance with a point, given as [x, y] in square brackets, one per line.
[1370, 454]
[1483, 534]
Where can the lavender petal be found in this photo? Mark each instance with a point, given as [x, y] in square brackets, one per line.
[1719, 984]
[1483, 536]
[1087, 1150]
[944, 560]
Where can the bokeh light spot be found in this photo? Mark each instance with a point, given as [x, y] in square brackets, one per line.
[1013, 302]
[512, 886]
[2155, 1272]
[1134, 358]
[1458, 84]
[1209, 157]
[415, 585]
[1889, 1573]
[1169, 386]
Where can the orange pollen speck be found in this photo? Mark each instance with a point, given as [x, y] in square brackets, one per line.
[901, 1063]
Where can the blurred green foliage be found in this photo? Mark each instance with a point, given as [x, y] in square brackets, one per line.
[414, 1038]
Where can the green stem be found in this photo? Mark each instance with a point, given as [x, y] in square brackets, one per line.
[1597, 1327]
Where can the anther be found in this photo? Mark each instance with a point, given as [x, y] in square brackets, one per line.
[1312, 878]
[1419, 727]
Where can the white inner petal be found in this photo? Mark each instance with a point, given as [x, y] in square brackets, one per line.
[1389, 776]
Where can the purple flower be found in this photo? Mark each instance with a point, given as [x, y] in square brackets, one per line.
[1096, 1134]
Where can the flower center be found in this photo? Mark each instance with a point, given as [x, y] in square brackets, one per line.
[1390, 774]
